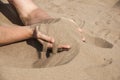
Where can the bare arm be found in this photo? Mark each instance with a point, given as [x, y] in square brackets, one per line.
[14, 34]
[17, 33]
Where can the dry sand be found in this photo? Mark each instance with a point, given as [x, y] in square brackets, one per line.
[99, 56]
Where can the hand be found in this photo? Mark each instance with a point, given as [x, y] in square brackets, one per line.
[44, 38]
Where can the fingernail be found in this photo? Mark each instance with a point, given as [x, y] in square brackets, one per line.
[83, 39]
[68, 47]
[52, 40]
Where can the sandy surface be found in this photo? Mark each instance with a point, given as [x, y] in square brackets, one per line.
[99, 56]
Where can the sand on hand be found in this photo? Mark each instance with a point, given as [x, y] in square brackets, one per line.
[98, 57]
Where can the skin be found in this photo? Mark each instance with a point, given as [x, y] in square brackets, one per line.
[10, 34]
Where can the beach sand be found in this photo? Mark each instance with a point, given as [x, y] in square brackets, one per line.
[98, 58]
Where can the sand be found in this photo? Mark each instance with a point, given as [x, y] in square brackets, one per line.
[98, 58]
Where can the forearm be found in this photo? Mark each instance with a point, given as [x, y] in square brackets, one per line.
[28, 11]
[24, 7]
[14, 34]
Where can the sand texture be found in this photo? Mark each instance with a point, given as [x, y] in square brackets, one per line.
[98, 58]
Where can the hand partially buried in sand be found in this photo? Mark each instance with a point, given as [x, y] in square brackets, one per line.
[29, 14]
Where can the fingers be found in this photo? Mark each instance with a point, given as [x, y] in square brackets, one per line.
[50, 45]
[42, 36]
[60, 46]
[81, 32]
[46, 38]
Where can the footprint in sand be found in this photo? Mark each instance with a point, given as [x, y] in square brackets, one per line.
[99, 42]
[102, 43]
[107, 62]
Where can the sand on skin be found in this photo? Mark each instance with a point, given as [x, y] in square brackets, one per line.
[94, 61]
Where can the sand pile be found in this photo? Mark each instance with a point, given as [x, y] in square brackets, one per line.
[60, 29]
[98, 58]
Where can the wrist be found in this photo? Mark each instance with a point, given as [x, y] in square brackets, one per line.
[30, 30]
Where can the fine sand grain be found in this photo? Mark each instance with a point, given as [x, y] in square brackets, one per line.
[98, 57]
